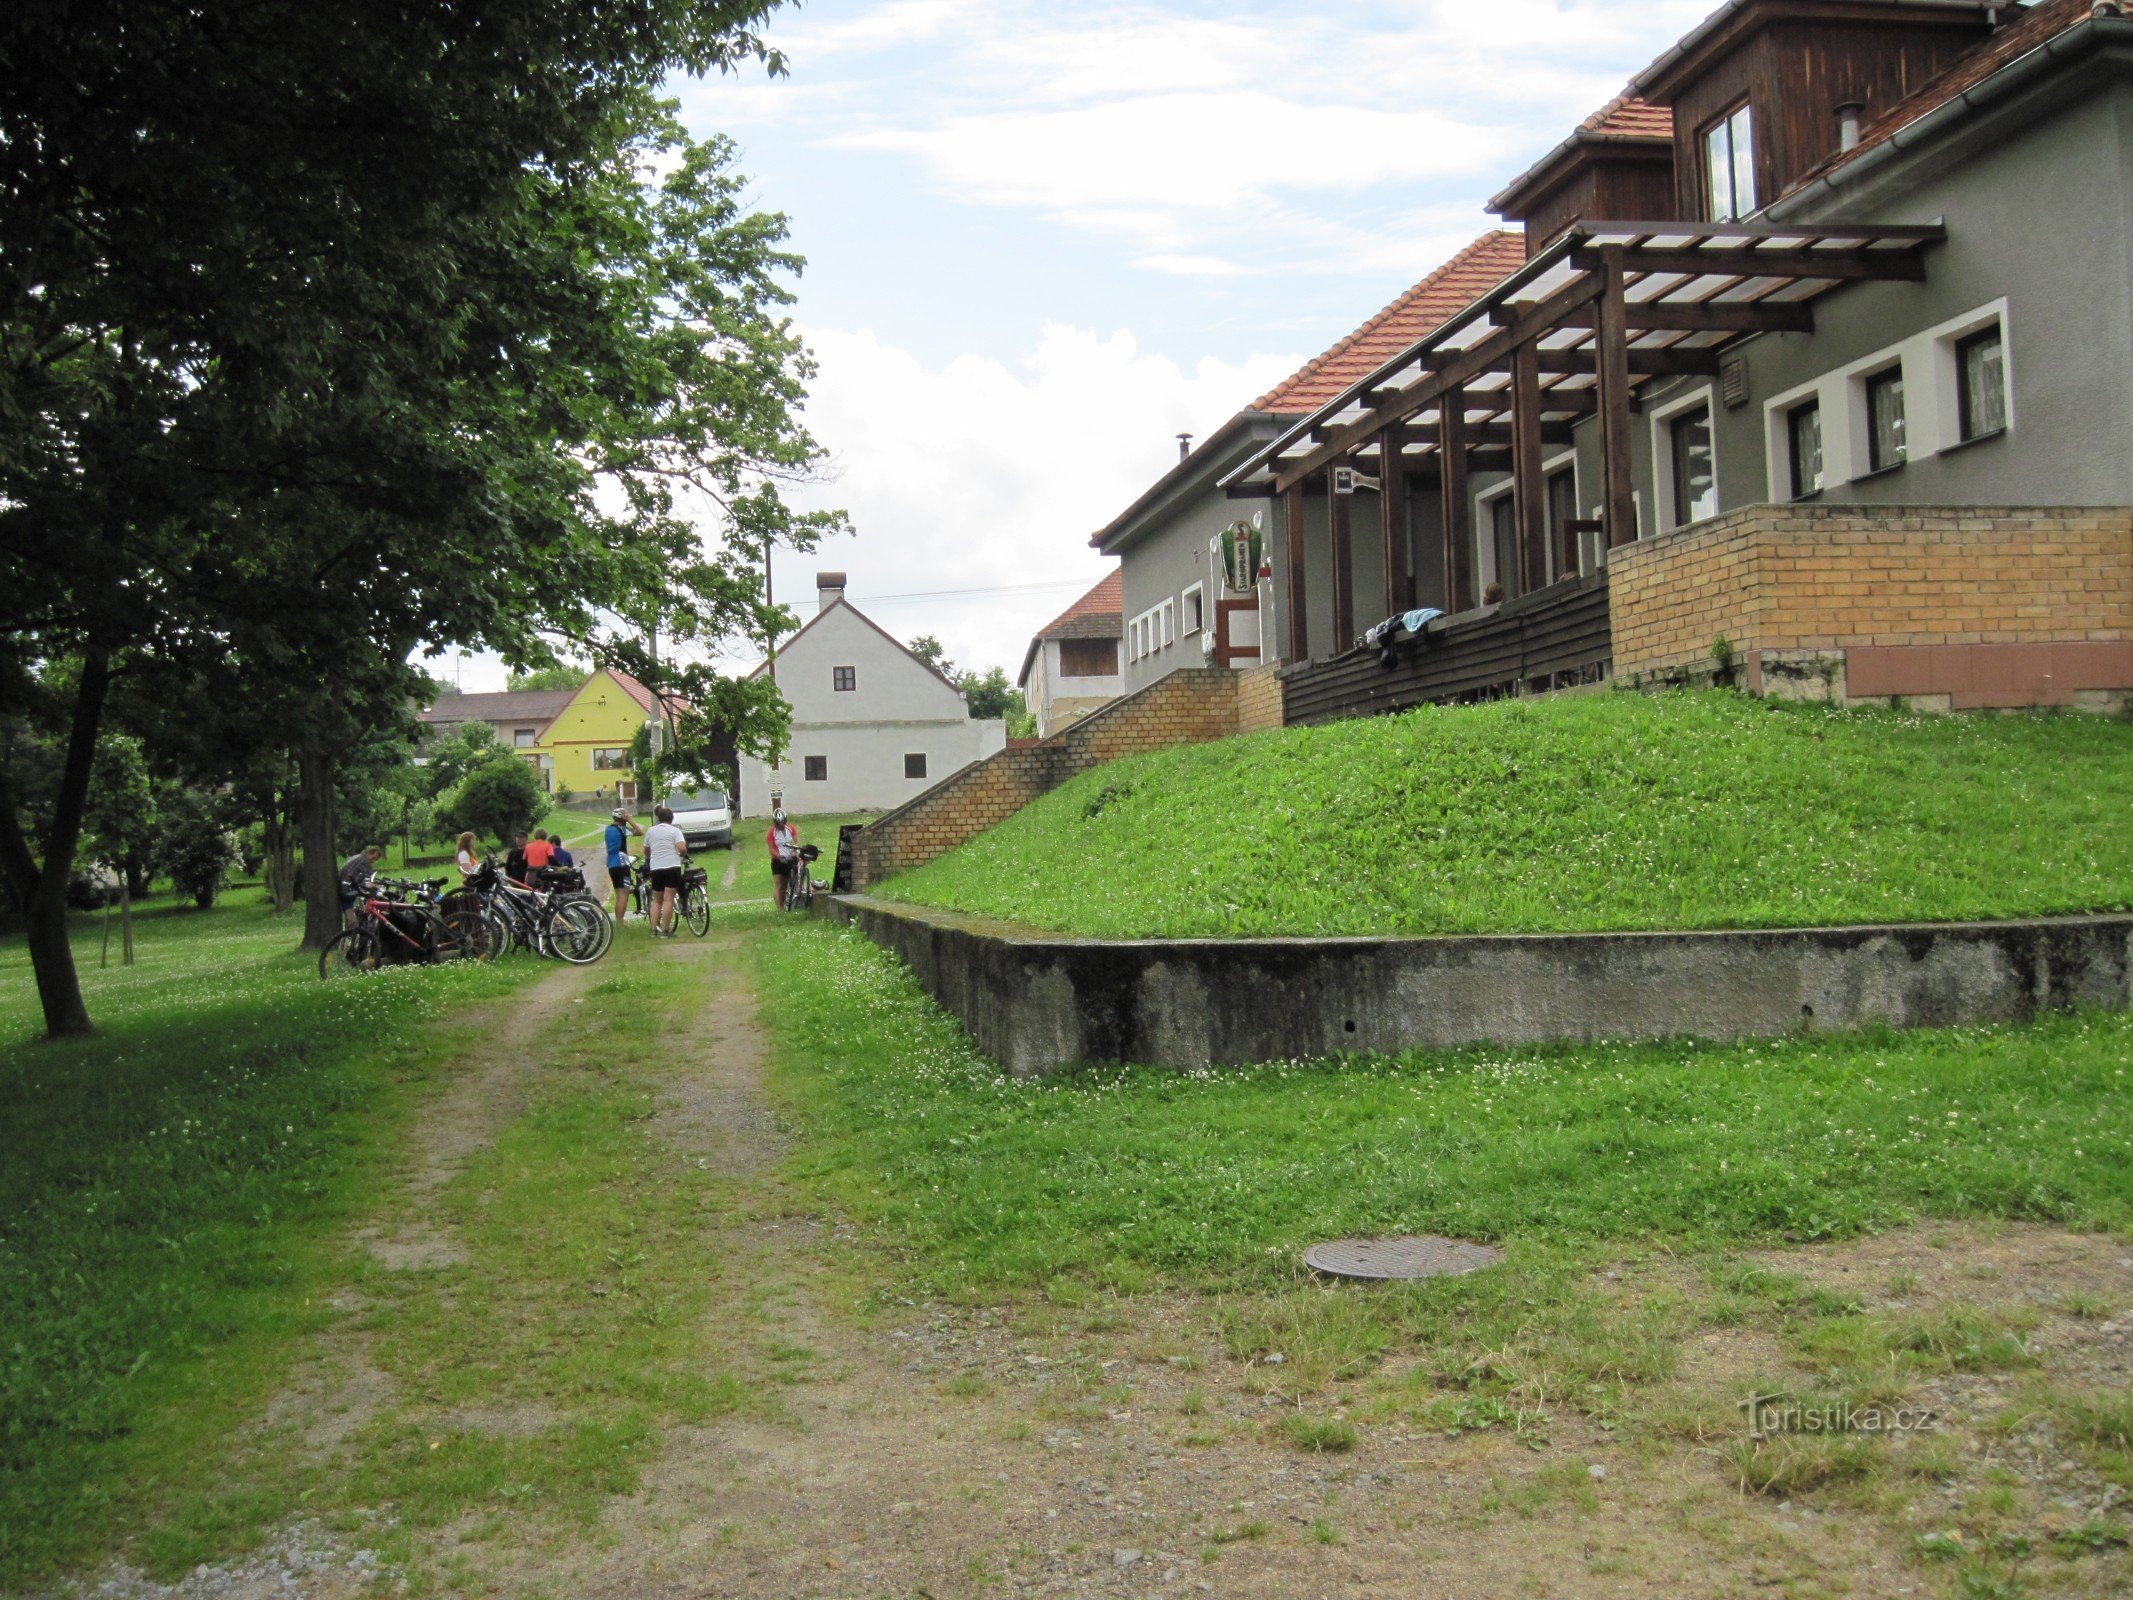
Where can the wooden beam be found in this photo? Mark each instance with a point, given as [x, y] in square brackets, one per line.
[1671, 361]
[1611, 350]
[1293, 596]
[1486, 356]
[1843, 266]
[1341, 519]
[1482, 434]
[1393, 522]
[1706, 316]
[1451, 489]
[1527, 498]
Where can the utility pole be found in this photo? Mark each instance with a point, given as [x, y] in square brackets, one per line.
[768, 600]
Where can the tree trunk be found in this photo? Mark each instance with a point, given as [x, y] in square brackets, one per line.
[279, 867]
[321, 866]
[41, 886]
[125, 922]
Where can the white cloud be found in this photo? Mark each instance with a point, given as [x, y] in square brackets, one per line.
[977, 474]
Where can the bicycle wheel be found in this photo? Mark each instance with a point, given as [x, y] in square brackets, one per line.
[573, 932]
[606, 922]
[503, 929]
[465, 936]
[352, 951]
[696, 909]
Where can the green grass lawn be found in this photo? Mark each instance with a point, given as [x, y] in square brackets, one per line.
[991, 1182]
[751, 879]
[169, 1190]
[1585, 812]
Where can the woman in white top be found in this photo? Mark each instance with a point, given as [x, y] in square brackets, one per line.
[664, 851]
[469, 855]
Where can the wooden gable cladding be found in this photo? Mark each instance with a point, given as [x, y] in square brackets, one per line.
[1605, 180]
[1794, 62]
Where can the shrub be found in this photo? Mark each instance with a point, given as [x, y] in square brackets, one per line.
[498, 799]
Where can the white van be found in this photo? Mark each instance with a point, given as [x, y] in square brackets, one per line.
[705, 817]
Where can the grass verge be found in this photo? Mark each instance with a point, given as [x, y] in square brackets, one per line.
[171, 1189]
[1593, 812]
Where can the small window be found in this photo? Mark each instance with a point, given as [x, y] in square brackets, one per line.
[1729, 165]
[843, 679]
[915, 765]
[1088, 658]
[1981, 383]
[1169, 621]
[610, 760]
[816, 769]
[1803, 447]
[524, 737]
[1695, 477]
[1194, 606]
[1884, 420]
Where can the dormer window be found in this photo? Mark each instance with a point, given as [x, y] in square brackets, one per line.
[1729, 165]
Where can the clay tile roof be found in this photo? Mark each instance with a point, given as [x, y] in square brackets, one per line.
[1450, 289]
[1099, 614]
[635, 690]
[523, 705]
[1627, 117]
[2039, 25]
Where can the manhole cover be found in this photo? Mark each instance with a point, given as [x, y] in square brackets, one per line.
[1423, 1256]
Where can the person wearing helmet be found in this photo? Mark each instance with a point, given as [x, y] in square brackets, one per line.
[784, 842]
[620, 826]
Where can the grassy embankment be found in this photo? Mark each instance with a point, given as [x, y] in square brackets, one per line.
[1633, 1187]
[1595, 812]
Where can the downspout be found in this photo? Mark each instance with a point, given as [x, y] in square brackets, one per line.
[2018, 75]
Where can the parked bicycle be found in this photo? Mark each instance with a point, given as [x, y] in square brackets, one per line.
[695, 901]
[400, 922]
[548, 922]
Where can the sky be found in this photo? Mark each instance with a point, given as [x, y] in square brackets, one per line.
[1044, 239]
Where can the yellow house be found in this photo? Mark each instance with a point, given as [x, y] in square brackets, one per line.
[576, 739]
[586, 745]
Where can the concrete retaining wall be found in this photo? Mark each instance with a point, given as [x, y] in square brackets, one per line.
[1035, 1001]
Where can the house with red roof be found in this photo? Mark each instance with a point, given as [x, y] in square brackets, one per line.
[1181, 602]
[578, 739]
[1810, 368]
[1072, 665]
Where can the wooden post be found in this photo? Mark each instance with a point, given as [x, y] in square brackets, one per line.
[1458, 528]
[1293, 600]
[1343, 567]
[1393, 522]
[1612, 359]
[1528, 496]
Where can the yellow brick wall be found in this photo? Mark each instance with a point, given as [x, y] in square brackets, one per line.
[1190, 706]
[1827, 578]
[1259, 704]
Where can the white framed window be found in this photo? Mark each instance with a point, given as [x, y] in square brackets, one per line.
[1685, 459]
[1956, 389]
[1495, 538]
[1559, 488]
[1195, 606]
[1169, 613]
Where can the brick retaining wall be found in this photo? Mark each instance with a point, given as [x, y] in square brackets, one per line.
[1190, 706]
[1945, 607]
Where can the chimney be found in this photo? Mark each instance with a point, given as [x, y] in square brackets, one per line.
[1184, 445]
[1849, 116]
[829, 589]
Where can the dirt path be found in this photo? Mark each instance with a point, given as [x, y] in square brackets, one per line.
[1116, 1446]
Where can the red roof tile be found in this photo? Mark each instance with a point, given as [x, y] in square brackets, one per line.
[1627, 117]
[1450, 289]
[2037, 26]
[1104, 603]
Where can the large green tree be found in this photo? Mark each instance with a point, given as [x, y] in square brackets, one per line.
[331, 330]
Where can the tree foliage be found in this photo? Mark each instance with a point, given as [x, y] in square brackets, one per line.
[335, 330]
[499, 799]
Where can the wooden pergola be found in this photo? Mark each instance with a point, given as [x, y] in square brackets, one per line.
[1604, 309]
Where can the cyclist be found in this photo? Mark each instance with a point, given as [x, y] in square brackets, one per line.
[784, 841]
[664, 851]
[620, 826]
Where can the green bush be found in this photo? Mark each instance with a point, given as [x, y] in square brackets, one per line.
[498, 799]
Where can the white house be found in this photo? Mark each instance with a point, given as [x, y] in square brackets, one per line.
[1071, 667]
[872, 724]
